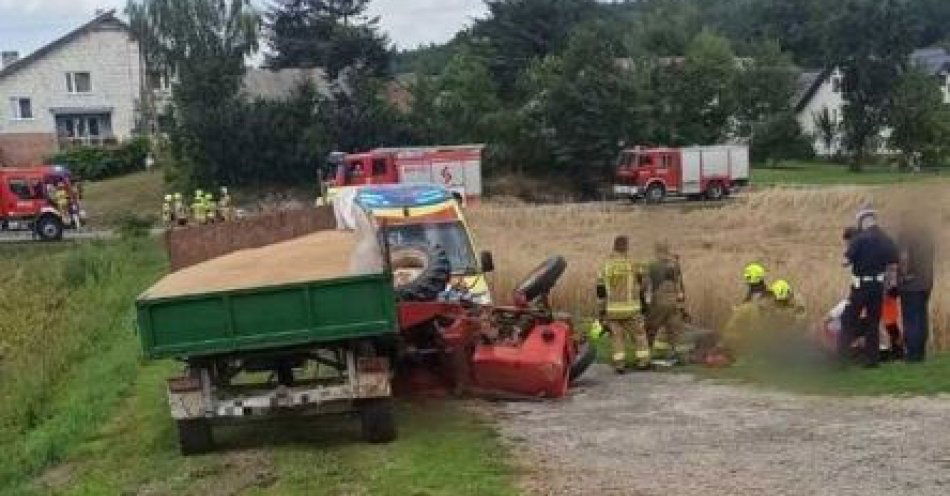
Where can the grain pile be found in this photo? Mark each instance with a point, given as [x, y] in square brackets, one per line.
[321, 255]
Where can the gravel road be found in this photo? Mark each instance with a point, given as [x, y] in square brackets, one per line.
[673, 434]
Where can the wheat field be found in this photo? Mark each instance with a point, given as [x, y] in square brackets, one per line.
[795, 233]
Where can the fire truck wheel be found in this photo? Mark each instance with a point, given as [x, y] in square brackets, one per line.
[586, 355]
[194, 436]
[421, 272]
[49, 228]
[540, 281]
[378, 420]
[655, 194]
[715, 192]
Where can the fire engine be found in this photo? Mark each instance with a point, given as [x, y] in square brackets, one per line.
[27, 201]
[456, 168]
[711, 172]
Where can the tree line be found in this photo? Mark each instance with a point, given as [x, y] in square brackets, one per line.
[554, 87]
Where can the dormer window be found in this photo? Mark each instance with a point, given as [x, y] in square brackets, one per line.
[836, 84]
[78, 82]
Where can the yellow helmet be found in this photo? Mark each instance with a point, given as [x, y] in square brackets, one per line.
[168, 198]
[754, 273]
[198, 193]
[781, 290]
[178, 196]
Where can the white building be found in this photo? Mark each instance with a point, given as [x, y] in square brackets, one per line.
[820, 94]
[82, 88]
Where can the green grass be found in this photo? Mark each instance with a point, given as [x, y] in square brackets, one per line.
[818, 173]
[107, 202]
[892, 378]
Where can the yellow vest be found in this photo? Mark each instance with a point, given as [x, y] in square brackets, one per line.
[619, 277]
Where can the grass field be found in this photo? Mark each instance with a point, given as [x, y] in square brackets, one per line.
[108, 202]
[820, 173]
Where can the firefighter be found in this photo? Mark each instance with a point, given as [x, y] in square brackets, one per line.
[667, 297]
[180, 210]
[754, 275]
[168, 213]
[225, 210]
[61, 200]
[210, 208]
[618, 289]
[198, 207]
[873, 257]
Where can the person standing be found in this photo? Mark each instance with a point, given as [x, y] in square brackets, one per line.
[873, 258]
[916, 248]
[665, 313]
[618, 289]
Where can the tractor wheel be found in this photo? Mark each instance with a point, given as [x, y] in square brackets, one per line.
[715, 192]
[378, 421]
[194, 436]
[586, 355]
[421, 272]
[655, 194]
[49, 228]
[540, 281]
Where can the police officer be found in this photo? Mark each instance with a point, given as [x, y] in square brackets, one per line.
[618, 289]
[873, 257]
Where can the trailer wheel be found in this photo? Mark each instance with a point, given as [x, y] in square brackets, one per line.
[49, 228]
[378, 420]
[194, 436]
[715, 192]
[655, 193]
[426, 271]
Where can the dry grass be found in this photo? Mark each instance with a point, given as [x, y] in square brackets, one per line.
[795, 233]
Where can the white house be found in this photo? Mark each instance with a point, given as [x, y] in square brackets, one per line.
[821, 91]
[82, 88]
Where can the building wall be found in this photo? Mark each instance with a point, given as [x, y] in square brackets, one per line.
[24, 149]
[107, 53]
[825, 97]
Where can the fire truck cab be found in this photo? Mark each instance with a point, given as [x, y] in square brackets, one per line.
[710, 172]
[27, 201]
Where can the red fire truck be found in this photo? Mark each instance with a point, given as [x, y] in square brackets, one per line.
[457, 168]
[27, 201]
[711, 172]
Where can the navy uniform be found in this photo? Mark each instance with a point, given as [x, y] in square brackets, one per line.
[873, 257]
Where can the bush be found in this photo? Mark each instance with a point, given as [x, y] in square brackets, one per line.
[780, 138]
[131, 226]
[90, 163]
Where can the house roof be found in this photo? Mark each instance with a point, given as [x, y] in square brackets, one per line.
[934, 60]
[280, 84]
[808, 84]
[106, 18]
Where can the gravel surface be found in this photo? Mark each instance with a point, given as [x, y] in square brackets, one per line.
[673, 434]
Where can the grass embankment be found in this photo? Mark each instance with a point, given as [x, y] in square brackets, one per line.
[823, 173]
[109, 201]
[68, 349]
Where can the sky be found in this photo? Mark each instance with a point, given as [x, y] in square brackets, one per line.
[26, 25]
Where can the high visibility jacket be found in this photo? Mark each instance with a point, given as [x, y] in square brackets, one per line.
[621, 277]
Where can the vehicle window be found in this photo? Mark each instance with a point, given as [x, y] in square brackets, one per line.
[450, 236]
[628, 159]
[379, 166]
[20, 188]
[646, 160]
[667, 162]
[355, 169]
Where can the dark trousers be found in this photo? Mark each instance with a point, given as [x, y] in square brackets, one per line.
[915, 315]
[865, 300]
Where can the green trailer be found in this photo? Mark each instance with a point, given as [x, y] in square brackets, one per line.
[280, 329]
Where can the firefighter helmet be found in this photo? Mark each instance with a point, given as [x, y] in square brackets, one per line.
[754, 273]
[781, 290]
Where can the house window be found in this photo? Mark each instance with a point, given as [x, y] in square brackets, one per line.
[78, 82]
[21, 108]
[836, 84]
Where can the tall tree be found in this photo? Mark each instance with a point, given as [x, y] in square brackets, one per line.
[920, 120]
[765, 85]
[870, 40]
[330, 34]
[203, 43]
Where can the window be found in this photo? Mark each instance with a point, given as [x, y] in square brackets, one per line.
[78, 82]
[646, 160]
[21, 108]
[20, 188]
[667, 161]
[836, 84]
[379, 167]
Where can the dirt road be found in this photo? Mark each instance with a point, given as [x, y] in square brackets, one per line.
[672, 434]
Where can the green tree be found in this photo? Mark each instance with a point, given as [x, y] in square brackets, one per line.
[920, 120]
[330, 34]
[828, 129]
[779, 137]
[765, 85]
[870, 41]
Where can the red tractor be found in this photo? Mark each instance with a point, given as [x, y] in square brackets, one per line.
[28, 201]
[525, 350]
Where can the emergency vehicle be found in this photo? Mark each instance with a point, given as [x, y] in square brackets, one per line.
[27, 201]
[456, 168]
[711, 172]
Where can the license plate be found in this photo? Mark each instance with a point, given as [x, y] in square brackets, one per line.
[625, 190]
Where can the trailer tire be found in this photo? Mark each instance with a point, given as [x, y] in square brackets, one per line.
[715, 191]
[655, 193]
[436, 269]
[378, 421]
[540, 281]
[49, 228]
[194, 436]
[586, 355]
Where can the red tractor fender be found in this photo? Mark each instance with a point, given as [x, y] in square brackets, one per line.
[538, 367]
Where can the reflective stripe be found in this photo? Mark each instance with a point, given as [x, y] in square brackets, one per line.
[661, 345]
[641, 354]
[619, 357]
